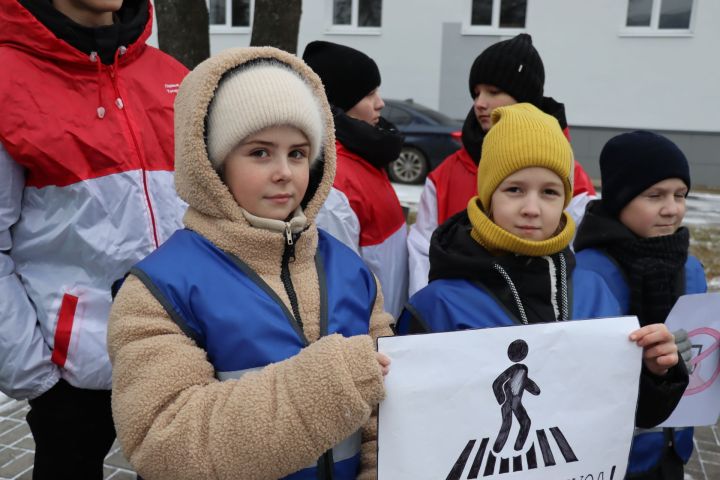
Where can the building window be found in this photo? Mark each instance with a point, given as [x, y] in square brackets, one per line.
[659, 15]
[498, 14]
[356, 14]
[230, 15]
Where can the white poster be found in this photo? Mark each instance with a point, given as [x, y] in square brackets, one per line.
[699, 316]
[548, 401]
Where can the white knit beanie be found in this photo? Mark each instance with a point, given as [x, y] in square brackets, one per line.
[257, 96]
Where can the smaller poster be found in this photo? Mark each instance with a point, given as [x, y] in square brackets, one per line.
[699, 316]
[546, 401]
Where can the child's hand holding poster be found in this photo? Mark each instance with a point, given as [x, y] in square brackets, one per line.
[699, 316]
[553, 400]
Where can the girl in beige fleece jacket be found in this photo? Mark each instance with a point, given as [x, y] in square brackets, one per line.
[243, 347]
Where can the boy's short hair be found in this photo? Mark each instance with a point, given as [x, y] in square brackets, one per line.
[513, 66]
[630, 163]
[522, 137]
[258, 95]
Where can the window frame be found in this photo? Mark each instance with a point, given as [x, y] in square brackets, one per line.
[228, 28]
[654, 30]
[353, 28]
[494, 28]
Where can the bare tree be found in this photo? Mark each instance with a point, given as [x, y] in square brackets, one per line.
[276, 23]
[184, 30]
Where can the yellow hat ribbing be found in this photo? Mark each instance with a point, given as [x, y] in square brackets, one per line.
[497, 240]
[521, 137]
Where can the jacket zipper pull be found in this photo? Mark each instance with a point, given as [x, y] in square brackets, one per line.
[288, 234]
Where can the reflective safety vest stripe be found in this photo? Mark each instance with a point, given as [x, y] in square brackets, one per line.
[218, 301]
[346, 461]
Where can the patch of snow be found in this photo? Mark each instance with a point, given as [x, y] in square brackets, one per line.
[409, 195]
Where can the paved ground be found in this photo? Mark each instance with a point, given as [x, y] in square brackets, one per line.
[17, 446]
[16, 449]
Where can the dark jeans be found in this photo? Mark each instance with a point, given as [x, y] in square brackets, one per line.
[73, 431]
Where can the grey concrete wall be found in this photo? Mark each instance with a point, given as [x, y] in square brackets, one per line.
[702, 150]
[458, 53]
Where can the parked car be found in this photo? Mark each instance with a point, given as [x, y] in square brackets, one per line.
[430, 136]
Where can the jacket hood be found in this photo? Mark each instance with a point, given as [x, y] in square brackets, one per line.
[599, 229]
[196, 180]
[36, 27]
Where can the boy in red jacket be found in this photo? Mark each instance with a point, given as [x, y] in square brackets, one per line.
[363, 210]
[86, 191]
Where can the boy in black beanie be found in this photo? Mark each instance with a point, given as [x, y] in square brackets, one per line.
[362, 210]
[633, 237]
[505, 73]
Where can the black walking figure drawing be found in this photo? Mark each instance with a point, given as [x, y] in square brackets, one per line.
[508, 389]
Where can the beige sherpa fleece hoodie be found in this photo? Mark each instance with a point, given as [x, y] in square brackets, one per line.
[174, 419]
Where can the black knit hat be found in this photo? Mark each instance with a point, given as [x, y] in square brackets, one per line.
[348, 74]
[631, 163]
[514, 66]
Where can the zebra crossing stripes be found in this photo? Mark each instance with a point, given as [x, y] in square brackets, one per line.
[504, 465]
[494, 465]
[459, 466]
[531, 459]
[562, 442]
[517, 464]
[490, 465]
[475, 468]
[547, 455]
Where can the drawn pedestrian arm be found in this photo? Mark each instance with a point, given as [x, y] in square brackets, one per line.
[531, 387]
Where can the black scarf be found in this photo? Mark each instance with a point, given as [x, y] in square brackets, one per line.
[652, 266]
[378, 145]
[472, 136]
[454, 254]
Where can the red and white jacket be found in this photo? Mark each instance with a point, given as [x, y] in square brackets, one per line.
[86, 191]
[363, 212]
[448, 189]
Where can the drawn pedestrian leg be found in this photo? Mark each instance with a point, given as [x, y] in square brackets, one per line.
[508, 389]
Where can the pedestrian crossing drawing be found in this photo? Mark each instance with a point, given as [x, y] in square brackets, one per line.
[487, 463]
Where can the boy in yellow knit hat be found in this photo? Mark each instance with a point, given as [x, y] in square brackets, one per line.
[506, 259]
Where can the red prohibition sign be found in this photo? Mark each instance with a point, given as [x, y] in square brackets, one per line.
[696, 361]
